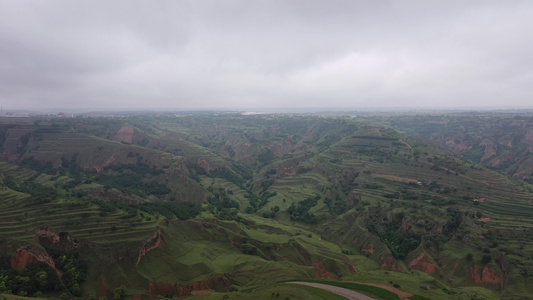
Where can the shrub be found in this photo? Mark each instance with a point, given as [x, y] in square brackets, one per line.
[486, 259]
[469, 257]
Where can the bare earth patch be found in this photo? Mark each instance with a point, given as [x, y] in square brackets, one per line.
[125, 134]
[200, 292]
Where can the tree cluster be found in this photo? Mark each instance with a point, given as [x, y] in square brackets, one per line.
[39, 193]
[36, 277]
[300, 212]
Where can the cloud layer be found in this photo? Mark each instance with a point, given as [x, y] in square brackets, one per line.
[131, 55]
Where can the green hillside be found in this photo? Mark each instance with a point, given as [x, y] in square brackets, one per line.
[174, 204]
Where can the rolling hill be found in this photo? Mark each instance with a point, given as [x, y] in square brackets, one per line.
[172, 204]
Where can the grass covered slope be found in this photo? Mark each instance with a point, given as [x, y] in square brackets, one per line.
[173, 204]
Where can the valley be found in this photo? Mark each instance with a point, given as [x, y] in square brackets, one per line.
[206, 205]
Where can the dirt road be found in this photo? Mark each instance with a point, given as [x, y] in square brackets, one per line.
[349, 294]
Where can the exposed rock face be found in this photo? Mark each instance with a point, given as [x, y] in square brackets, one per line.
[27, 254]
[485, 275]
[154, 241]
[424, 264]
[215, 282]
[46, 237]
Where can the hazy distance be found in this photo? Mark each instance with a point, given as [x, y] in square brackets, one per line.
[265, 55]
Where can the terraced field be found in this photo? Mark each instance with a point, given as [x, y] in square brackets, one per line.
[20, 220]
[279, 197]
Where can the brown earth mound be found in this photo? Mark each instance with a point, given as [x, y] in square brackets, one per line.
[201, 292]
[424, 264]
[391, 264]
[154, 241]
[322, 272]
[125, 134]
[46, 237]
[484, 275]
[27, 254]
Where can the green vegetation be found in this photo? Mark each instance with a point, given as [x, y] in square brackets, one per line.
[274, 291]
[74, 271]
[438, 205]
[301, 213]
[399, 241]
[170, 210]
[39, 194]
[382, 293]
[36, 278]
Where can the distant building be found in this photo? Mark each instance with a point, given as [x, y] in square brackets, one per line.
[64, 115]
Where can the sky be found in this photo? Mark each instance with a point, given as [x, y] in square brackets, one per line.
[265, 55]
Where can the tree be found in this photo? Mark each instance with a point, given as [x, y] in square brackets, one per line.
[119, 292]
[469, 257]
[486, 259]
[526, 273]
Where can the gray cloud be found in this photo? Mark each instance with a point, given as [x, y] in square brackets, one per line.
[265, 54]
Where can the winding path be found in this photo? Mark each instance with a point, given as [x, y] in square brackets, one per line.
[349, 294]
[407, 144]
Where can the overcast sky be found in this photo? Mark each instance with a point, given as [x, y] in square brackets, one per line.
[250, 55]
